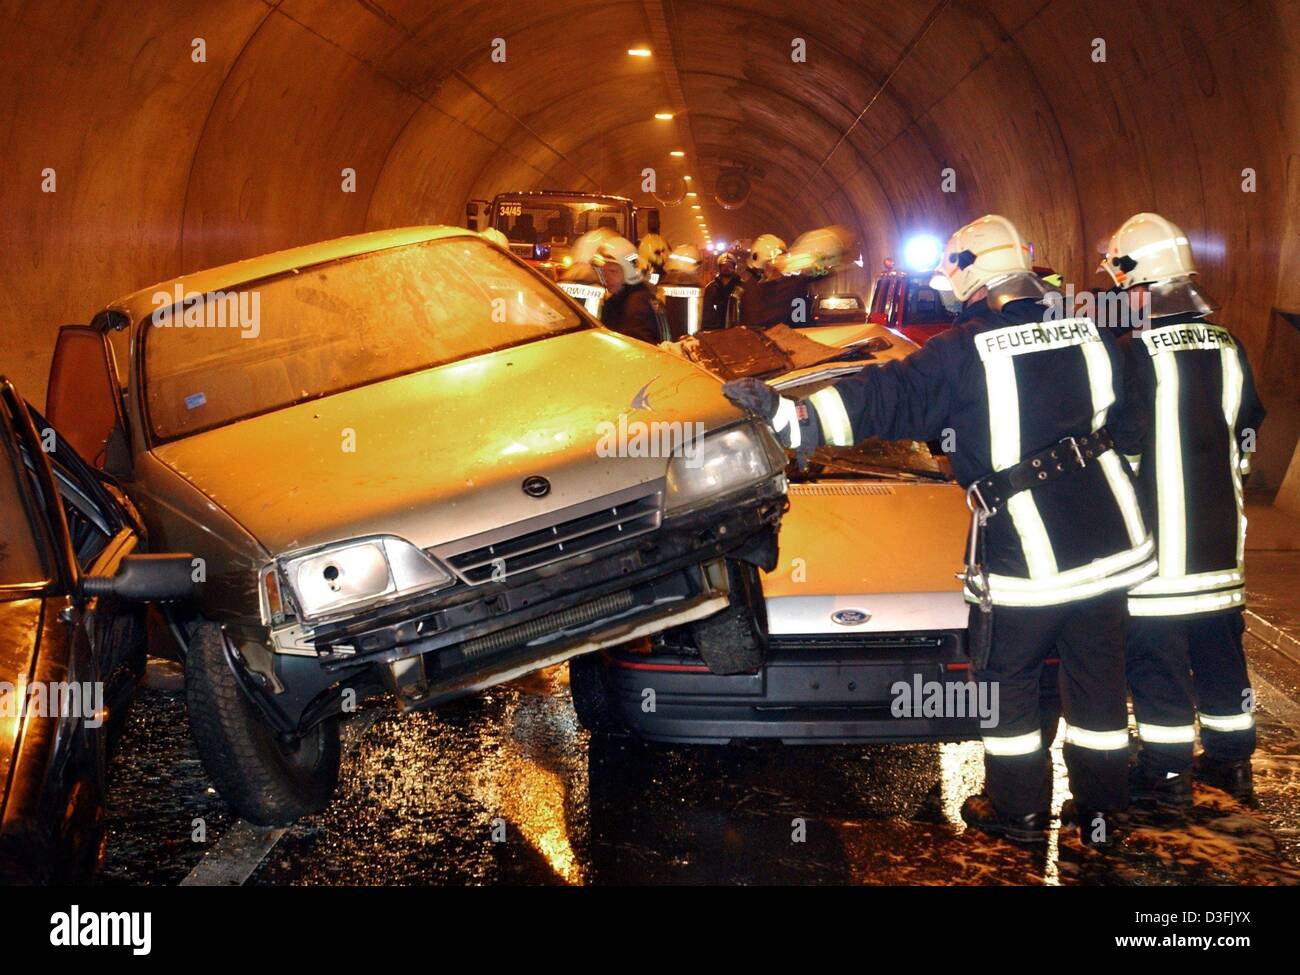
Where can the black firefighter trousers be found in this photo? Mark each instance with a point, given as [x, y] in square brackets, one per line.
[1184, 668]
[1088, 638]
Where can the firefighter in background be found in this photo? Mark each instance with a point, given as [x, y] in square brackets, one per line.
[631, 307]
[773, 297]
[1057, 535]
[653, 254]
[1190, 443]
[680, 290]
[717, 296]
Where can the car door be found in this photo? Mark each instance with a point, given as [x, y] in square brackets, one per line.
[84, 399]
[50, 809]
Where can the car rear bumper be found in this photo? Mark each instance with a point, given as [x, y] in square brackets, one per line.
[808, 692]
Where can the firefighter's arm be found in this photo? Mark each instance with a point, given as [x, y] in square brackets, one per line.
[1129, 420]
[904, 399]
[1250, 415]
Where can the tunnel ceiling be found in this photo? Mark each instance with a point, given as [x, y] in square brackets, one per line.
[164, 164]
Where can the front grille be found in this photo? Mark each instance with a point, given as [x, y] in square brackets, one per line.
[532, 549]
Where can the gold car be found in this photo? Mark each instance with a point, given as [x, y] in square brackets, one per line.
[409, 464]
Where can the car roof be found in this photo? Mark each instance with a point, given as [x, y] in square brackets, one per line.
[140, 304]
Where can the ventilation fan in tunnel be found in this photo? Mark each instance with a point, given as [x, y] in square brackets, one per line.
[670, 190]
[732, 188]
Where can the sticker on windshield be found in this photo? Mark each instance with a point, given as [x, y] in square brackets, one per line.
[195, 400]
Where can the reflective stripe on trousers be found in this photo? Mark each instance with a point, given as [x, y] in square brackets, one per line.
[1098, 741]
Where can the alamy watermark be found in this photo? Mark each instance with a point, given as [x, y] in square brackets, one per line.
[654, 438]
[56, 699]
[920, 698]
[213, 309]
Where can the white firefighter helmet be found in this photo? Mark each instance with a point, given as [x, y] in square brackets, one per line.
[984, 252]
[764, 249]
[817, 252]
[653, 251]
[585, 247]
[685, 259]
[1148, 249]
[621, 251]
[494, 236]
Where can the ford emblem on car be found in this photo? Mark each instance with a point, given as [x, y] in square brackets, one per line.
[536, 486]
[849, 617]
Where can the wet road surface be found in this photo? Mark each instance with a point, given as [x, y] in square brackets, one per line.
[507, 788]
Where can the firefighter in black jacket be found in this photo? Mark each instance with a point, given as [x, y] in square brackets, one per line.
[631, 307]
[1024, 394]
[773, 297]
[717, 296]
[1190, 443]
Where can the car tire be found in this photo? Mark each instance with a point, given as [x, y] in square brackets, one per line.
[264, 781]
[593, 696]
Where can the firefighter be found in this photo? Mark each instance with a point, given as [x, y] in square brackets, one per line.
[773, 297]
[717, 295]
[680, 291]
[1057, 534]
[1190, 443]
[631, 307]
[653, 253]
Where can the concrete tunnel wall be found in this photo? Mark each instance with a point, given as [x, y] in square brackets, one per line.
[163, 164]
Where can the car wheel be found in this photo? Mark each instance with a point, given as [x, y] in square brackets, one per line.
[266, 781]
[593, 696]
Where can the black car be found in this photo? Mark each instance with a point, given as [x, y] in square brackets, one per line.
[72, 643]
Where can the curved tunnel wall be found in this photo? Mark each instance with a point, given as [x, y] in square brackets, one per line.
[163, 164]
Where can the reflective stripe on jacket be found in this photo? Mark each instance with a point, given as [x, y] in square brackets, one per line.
[1192, 437]
[1001, 386]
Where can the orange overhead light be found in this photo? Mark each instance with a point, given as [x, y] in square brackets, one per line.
[695, 206]
[663, 116]
[687, 178]
[677, 153]
[639, 52]
[692, 193]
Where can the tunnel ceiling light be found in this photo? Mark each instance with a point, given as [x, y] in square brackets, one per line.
[677, 154]
[687, 178]
[664, 116]
[692, 194]
[922, 252]
[695, 206]
[639, 52]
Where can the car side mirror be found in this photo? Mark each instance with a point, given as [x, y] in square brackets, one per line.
[145, 578]
[476, 214]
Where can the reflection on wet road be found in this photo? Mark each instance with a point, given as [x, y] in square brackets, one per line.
[506, 788]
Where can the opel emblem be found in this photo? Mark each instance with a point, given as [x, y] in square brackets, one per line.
[536, 486]
[849, 617]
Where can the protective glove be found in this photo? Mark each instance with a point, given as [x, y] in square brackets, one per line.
[781, 414]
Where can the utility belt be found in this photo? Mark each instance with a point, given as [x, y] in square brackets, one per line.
[985, 498]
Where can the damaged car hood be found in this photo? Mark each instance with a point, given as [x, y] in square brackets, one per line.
[442, 454]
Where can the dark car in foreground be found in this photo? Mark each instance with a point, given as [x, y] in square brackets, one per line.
[73, 587]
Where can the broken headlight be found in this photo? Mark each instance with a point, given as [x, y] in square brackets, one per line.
[720, 463]
[359, 573]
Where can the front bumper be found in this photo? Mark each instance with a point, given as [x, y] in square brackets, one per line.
[811, 690]
[445, 645]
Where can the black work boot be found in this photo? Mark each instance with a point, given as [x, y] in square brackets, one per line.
[1097, 828]
[1166, 791]
[1234, 777]
[1027, 829]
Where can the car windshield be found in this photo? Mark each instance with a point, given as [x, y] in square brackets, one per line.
[927, 305]
[20, 553]
[557, 223]
[336, 326]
